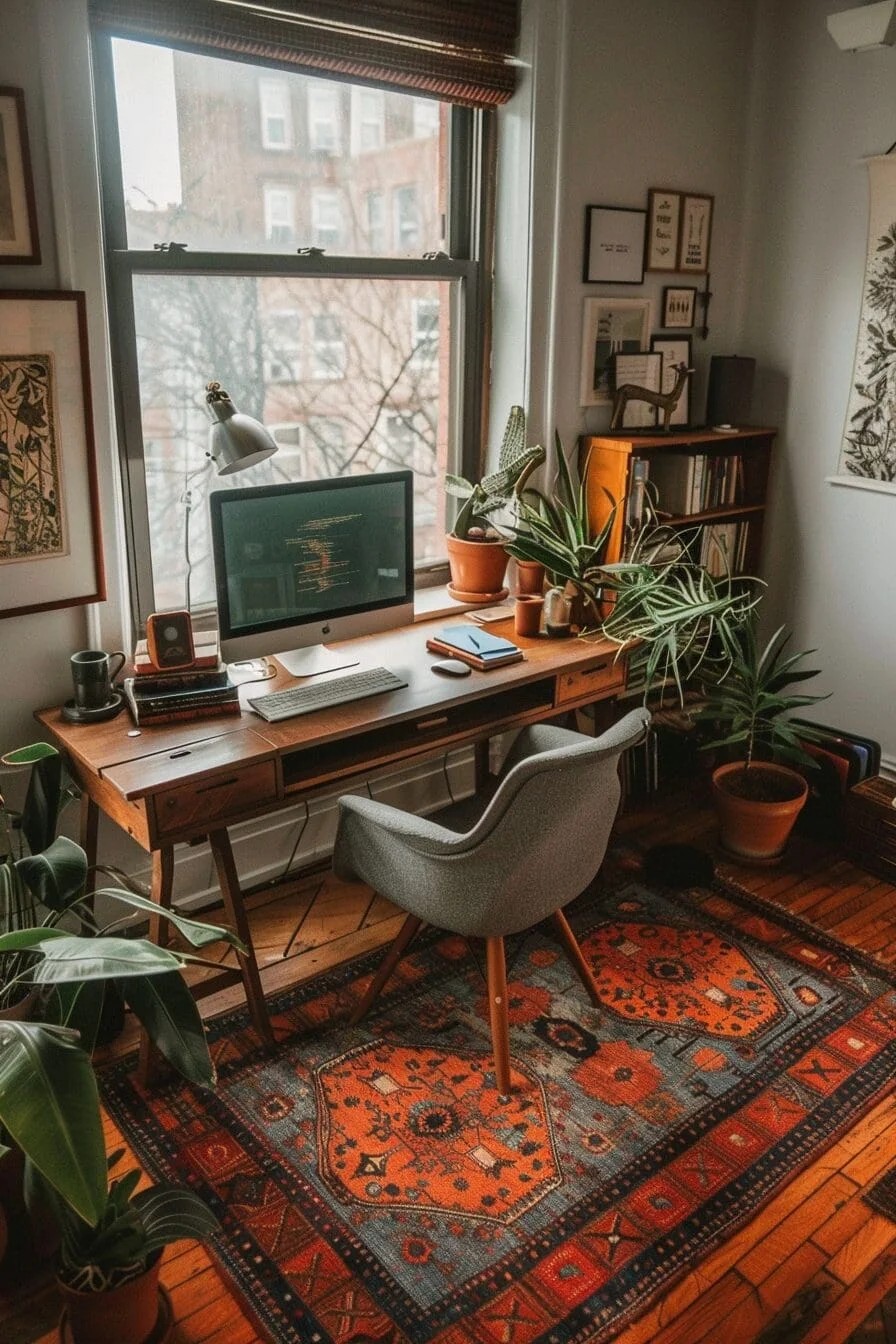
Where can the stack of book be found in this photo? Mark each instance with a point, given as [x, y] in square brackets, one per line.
[688, 483]
[475, 646]
[190, 693]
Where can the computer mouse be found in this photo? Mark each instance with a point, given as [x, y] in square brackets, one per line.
[451, 667]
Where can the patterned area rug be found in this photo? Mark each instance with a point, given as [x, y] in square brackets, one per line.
[882, 1195]
[373, 1186]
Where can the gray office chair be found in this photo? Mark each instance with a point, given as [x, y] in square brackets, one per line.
[493, 866]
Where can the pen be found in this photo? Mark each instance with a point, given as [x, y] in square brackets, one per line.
[474, 641]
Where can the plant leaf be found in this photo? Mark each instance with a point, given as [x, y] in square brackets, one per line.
[168, 1011]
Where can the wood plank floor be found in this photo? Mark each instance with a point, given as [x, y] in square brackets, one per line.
[815, 1266]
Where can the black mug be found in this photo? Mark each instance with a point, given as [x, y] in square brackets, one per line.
[92, 677]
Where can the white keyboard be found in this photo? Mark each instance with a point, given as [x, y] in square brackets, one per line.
[324, 694]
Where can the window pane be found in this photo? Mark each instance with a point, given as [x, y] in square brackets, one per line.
[348, 374]
[224, 155]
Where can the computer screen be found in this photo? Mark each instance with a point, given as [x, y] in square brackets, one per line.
[300, 563]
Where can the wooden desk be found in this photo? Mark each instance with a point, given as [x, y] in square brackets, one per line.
[184, 782]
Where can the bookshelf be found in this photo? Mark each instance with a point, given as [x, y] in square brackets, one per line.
[718, 480]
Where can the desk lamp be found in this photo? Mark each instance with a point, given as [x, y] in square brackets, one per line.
[235, 440]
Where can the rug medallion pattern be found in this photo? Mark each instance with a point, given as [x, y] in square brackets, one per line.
[374, 1186]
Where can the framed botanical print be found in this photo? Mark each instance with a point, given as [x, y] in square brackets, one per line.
[696, 234]
[610, 327]
[614, 245]
[663, 225]
[679, 302]
[50, 545]
[675, 350]
[18, 217]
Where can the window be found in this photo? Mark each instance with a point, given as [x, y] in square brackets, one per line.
[276, 114]
[279, 215]
[326, 218]
[407, 219]
[425, 112]
[323, 116]
[368, 119]
[359, 361]
[328, 347]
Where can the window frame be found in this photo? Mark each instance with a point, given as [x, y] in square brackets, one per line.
[469, 234]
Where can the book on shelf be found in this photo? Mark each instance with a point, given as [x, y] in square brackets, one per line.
[475, 646]
[179, 704]
[207, 654]
[687, 483]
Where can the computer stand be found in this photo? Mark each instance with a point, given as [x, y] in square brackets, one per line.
[315, 659]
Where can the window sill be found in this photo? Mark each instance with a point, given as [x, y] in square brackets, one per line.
[432, 602]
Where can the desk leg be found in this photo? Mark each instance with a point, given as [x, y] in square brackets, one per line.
[161, 889]
[236, 914]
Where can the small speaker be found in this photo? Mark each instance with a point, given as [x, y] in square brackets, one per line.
[729, 396]
[169, 640]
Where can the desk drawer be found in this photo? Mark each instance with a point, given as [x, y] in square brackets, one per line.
[193, 807]
[604, 676]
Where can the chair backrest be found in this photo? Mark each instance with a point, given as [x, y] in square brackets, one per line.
[544, 834]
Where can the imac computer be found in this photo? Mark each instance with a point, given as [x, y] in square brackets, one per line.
[308, 561]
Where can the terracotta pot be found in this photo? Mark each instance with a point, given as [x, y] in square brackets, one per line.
[129, 1314]
[530, 577]
[477, 570]
[22, 1010]
[755, 830]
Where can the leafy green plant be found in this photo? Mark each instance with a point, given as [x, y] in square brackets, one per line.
[130, 1233]
[749, 703]
[494, 492]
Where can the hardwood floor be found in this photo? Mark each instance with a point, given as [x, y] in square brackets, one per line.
[814, 1266]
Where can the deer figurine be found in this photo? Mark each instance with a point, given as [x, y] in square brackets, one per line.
[663, 401]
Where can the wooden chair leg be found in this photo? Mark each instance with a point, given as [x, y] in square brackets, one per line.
[575, 955]
[394, 955]
[497, 1009]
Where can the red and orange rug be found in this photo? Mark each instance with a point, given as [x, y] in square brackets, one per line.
[373, 1186]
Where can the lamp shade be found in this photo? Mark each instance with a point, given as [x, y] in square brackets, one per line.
[235, 440]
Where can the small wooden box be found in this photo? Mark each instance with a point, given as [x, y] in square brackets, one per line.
[870, 817]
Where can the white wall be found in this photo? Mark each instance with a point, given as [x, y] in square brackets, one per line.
[831, 549]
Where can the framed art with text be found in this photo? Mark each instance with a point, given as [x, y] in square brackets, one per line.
[679, 302]
[610, 327]
[614, 245]
[50, 545]
[696, 234]
[675, 350]
[18, 217]
[663, 224]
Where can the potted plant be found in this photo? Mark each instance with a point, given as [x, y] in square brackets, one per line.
[476, 549]
[109, 1271]
[758, 799]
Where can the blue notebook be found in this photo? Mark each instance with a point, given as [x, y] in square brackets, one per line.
[473, 639]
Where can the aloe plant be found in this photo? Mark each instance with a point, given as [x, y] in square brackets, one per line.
[481, 499]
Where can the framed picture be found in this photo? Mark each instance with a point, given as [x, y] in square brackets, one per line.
[18, 217]
[696, 234]
[50, 545]
[614, 245]
[643, 370]
[678, 305]
[663, 226]
[675, 350]
[610, 327]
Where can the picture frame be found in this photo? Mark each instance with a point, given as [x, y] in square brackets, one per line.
[675, 350]
[663, 230]
[695, 235]
[18, 213]
[614, 245]
[645, 369]
[610, 326]
[679, 305]
[50, 541]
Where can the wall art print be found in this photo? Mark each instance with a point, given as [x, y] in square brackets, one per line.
[868, 452]
[50, 545]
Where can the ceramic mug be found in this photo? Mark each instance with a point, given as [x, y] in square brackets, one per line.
[92, 677]
[527, 614]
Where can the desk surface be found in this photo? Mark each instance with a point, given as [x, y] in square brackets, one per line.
[432, 713]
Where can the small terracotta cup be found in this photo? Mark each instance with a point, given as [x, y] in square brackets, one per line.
[527, 614]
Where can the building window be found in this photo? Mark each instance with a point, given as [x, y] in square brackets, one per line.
[327, 347]
[276, 114]
[323, 117]
[368, 119]
[425, 113]
[279, 215]
[407, 218]
[326, 219]
[335, 346]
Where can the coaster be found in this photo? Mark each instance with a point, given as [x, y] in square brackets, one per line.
[72, 713]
